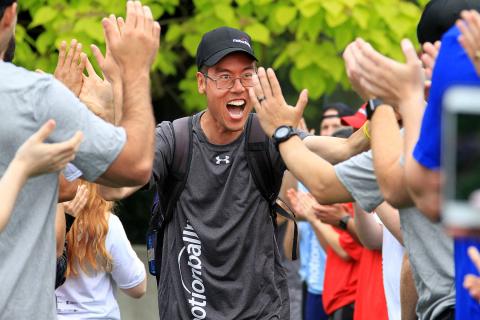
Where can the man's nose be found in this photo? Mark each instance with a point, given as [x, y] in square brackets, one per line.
[237, 85]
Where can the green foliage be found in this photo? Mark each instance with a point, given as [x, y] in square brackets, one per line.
[304, 39]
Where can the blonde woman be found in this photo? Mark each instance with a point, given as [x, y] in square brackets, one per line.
[100, 259]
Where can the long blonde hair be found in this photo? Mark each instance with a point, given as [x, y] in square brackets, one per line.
[86, 238]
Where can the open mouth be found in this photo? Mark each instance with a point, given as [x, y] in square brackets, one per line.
[235, 108]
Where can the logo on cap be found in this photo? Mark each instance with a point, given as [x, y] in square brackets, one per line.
[244, 41]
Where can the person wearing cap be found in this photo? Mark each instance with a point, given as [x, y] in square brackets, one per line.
[28, 100]
[235, 272]
[332, 117]
[220, 258]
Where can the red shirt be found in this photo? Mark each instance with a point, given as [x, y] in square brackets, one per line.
[340, 284]
[370, 300]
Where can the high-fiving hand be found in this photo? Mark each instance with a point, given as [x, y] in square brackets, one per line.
[133, 44]
[70, 66]
[272, 109]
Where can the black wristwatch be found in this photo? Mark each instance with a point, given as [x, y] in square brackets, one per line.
[283, 133]
[343, 223]
[372, 104]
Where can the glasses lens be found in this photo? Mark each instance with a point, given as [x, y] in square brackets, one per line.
[247, 80]
[225, 83]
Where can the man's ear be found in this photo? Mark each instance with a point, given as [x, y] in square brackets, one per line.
[9, 16]
[201, 83]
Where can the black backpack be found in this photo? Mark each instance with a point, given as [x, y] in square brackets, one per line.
[267, 179]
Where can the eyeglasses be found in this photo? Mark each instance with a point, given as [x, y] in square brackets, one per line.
[226, 81]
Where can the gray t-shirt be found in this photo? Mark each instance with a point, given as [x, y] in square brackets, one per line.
[27, 244]
[221, 259]
[430, 250]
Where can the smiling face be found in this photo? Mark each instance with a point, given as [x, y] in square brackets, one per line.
[227, 109]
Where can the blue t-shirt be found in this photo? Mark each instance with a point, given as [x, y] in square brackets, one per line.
[312, 256]
[452, 67]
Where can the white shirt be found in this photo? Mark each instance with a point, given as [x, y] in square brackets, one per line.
[93, 296]
[392, 257]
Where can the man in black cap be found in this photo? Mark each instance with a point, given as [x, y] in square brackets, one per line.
[220, 258]
[219, 254]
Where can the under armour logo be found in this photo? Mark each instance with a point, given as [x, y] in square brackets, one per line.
[226, 160]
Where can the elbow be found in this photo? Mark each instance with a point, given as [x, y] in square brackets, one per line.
[139, 174]
[319, 192]
[391, 196]
[371, 244]
[144, 172]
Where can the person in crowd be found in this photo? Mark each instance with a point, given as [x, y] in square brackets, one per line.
[100, 259]
[33, 158]
[342, 261]
[220, 206]
[422, 153]
[113, 155]
[312, 255]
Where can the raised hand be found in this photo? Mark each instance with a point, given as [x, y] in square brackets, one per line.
[388, 79]
[330, 214]
[472, 282]
[353, 70]
[97, 94]
[430, 52]
[470, 39]
[133, 44]
[70, 66]
[272, 109]
[37, 157]
[75, 206]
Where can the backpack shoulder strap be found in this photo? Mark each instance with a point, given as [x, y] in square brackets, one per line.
[267, 178]
[178, 172]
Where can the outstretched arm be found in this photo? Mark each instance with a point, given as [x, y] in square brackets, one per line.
[313, 171]
[133, 46]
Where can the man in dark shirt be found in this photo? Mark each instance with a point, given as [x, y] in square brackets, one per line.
[220, 256]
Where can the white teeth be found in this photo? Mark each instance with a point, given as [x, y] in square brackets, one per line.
[237, 103]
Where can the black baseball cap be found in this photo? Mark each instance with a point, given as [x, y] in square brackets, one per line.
[439, 16]
[219, 42]
[6, 3]
[342, 109]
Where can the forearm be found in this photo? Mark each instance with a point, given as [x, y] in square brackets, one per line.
[314, 172]
[134, 164]
[60, 229]
[369, 231]
[137, 117]
[387, 151]
[116, 194]
[423, 184]
[335, 150]
[390, 218]
[10, 185]
[329, 238]
[117, 101]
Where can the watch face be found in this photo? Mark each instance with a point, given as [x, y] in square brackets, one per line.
[282, 132]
